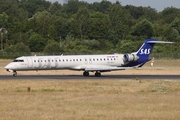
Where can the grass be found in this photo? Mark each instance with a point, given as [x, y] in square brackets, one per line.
[89, 100]
[92, 99]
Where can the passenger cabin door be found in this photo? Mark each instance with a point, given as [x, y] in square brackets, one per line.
[29, 62]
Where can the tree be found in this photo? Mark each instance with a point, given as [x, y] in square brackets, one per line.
[18, 37]
[54, 7]
[73, 6]
[33, 6]
[104, 6]
[142, 12]
[136, 12]
[118, 17]
[52, 32]
[82, 20]
[41, 22]
[3, 20]
[53, 48]
[127, 46]
[36, 43]
[172, 32]
[143, 28]
[19, 47]
[176, 24]
[98, 26]
[169, 14]
[62, 27]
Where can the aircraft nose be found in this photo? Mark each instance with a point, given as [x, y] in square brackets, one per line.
[9, 66]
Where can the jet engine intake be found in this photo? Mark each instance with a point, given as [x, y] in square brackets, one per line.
[130, 57]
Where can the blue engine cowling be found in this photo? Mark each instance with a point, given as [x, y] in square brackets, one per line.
[130, 57]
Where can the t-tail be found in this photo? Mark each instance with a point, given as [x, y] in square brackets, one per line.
[142, 55]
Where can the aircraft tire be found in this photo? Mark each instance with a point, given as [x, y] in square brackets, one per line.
[98, 74]
[85, 73]
[14, 75]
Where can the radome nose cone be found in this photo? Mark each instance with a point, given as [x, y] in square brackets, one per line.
[7, 66]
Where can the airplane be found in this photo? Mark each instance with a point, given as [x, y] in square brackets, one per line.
[86, 63]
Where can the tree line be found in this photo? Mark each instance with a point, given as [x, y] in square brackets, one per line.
[79, 27]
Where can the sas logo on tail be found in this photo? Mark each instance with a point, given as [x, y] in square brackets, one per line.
[145, 51]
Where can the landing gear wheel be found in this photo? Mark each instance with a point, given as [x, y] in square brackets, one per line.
[85, 73]
[14, 73]
[98, 74]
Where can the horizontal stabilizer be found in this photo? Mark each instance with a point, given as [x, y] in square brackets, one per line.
[159, 42]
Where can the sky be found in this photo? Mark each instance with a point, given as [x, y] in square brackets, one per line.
[159, 5]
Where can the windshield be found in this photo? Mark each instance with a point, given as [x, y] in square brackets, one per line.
[16, 60]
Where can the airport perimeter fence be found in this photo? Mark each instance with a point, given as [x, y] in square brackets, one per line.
[12, 55]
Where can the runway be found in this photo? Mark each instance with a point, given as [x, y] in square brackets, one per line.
[80, 77]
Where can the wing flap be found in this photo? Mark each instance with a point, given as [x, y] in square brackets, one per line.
[106, 68]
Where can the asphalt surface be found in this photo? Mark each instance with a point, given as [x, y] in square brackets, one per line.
[81, 77]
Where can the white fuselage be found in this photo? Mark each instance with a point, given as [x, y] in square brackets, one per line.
[73, 62]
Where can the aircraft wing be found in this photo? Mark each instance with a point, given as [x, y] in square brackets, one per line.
[105, 68]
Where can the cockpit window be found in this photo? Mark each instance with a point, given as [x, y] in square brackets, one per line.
[20, 60]
[16, 60]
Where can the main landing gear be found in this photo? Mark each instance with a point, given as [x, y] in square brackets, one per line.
[85, 73]
[97, 74]
[14, 73]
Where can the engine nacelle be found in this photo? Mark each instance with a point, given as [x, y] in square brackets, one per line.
[130, 57]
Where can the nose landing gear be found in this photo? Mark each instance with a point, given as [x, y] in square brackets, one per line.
[14, 73]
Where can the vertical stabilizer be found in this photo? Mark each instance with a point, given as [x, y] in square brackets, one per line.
[144, 52]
